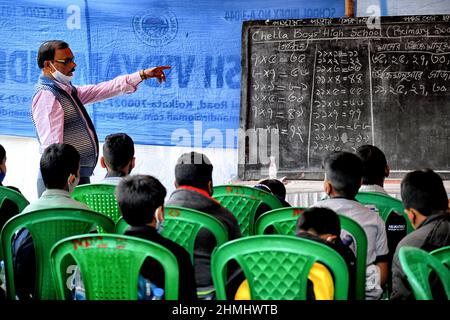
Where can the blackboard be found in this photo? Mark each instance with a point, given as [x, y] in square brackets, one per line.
[319, 85]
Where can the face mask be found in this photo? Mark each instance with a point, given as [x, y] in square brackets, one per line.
[2, 176]
[73, 184]
[60, 77]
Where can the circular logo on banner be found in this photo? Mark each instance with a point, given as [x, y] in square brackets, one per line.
[156, 27]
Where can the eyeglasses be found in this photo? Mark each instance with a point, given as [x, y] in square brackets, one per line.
[67, 61]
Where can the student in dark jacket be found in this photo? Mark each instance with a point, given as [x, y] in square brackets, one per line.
[141, 202]
[323, 225]
[426, 204]
[8, 208]
[193, 180]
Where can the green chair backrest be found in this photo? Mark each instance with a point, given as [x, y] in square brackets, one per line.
[110, 265]
[17, 198]
[284, 221]
[385, 205]
[46, 227]
[14, 196]
[181, 225]
[243, 201]
[99, 198]
[443, 255]
[417, 265]
[277, 266]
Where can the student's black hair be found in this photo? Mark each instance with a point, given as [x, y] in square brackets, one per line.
[320, 220]
[344, 171]
[58, 162]
[118, 150]
[193, 169]
[424, 191]
[47, 51]
[2, 154]
[374, 164]
[275, 186]
[138, 197]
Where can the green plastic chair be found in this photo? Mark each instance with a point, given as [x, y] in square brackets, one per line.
[385, 205]
[417, 265]
[110, 265]
[277, 266]
[443, 255]
[243, 201]
[284, 221]
[99, 198]
[14, 196]
[46, 227]
[17, 198]
[181, 225]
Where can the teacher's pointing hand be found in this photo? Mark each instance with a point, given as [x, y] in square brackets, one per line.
[156, 72]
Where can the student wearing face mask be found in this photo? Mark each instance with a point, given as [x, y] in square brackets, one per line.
[58, 110]
[60, 167]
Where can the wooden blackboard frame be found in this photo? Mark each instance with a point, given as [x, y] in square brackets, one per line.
[246, 173]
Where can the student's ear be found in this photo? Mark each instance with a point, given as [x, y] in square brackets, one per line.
[71, 178]
[327, 187]
[133, 162]
[160, 213]
[387, 170]
[102, 162]
[210, 188]
[175, 184]
[412, 216]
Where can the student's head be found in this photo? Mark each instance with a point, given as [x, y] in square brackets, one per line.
[141, 200]
[423, 193]
[2, 164]
[60, 166]
[118, 154]
[273, 186]
[343, 173]
[321, 222]
[194, 169]
[374, 164]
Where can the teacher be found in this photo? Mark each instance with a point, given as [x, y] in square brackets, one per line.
[58, 110]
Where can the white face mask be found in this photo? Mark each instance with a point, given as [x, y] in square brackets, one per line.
[73, 184]
[60, 77]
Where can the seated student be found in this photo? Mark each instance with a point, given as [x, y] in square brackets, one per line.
[426, 204]
[141, 201]
[276, 187]
[323, 225]
[60, 168]
[118, 157]
[193, 180]
[8, 208]
[375, 170]
[343, 174]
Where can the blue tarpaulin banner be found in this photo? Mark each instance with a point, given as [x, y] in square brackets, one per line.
[201, 40]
